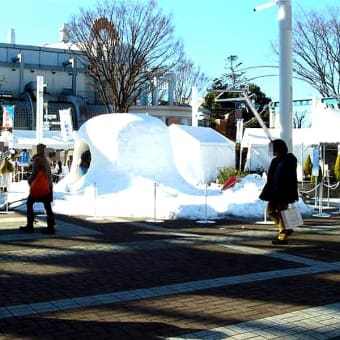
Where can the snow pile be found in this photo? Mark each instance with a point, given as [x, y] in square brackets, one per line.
[133, 174]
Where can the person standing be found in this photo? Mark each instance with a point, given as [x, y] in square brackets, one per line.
[281, 187]
[7, 168]
[40, 166]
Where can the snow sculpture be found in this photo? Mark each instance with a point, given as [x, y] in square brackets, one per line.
[125, 150]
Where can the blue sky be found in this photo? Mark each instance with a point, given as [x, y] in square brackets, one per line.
[211, 30]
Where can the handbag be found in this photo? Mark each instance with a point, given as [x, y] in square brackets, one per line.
[291, 217]
[40, 186]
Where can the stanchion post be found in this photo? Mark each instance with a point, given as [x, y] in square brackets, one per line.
[205, 207]
[206, 203]
[95, 199]
[155, 220]
[320, 213]
[95, 203]
[265, 221]
[316, 196]
[6, 204]
[154, 201]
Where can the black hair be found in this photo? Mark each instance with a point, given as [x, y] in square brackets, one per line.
[279, 145]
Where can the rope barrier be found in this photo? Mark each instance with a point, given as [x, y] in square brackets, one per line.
[333, 187]
[166, 192]
[308, 191]
[6, 202]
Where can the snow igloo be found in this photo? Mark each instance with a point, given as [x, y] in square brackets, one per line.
[124, 148]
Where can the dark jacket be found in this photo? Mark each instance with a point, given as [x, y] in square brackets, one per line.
[281, 186]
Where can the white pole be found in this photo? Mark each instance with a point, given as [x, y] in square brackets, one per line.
[194, 106]
[95, 217]
[154, 201]
[95, 199]
[205, 207]
[285, 35]
[154, 220]
[206, 203]
[257, 116]
[40, 109]
[7, 202]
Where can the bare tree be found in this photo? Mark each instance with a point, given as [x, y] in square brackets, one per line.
[316, 51]
[187, 75]
[125, 44]
[299, 119]
[184, 76]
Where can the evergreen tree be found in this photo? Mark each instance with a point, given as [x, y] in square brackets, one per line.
[337, 168]
[307, 166]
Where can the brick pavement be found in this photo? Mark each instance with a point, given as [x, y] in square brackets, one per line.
[119, 279]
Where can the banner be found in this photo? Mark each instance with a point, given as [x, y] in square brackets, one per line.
[66, 125]
[316, 161]
[24, 158]
[8, 117]
[239, 130]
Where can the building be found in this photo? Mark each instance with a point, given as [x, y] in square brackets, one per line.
[67, 86]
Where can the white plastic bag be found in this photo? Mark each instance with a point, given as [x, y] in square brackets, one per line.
[291, 217]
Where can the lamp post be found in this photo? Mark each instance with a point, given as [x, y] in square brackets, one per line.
[72, 62]
[195, 103]
[19, 59]
[285, 24]
[40, 108]
[286, 71]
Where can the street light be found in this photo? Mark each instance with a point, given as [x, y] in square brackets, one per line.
[72, 62]
[19, 59]
[285, 35]
[265, 6]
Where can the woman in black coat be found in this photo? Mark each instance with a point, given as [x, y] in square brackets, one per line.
[281, 187]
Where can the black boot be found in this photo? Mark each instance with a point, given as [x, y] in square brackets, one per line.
[50, 226]
[28, 228]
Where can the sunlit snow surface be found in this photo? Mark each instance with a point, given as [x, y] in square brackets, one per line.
[133, 174]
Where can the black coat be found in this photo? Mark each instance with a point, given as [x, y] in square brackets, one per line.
[281, 186]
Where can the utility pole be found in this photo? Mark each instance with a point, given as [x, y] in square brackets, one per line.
[40, 108]
[286, 70]
[286, 118]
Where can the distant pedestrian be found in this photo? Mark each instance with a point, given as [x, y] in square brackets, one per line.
[7, 168]
[85, 161]
[41, 190]
[56, 169]
[281, 187]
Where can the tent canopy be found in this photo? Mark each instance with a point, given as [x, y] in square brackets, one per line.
[26, 139]
[200, 152]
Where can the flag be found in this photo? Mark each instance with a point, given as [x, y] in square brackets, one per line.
[316, 161]
[66, 126]
[8, 117]
[24, 158]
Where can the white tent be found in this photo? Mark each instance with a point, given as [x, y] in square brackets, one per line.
[325, 124]
[26, 139]
[200, 152]
[325, 129]
[257, 142]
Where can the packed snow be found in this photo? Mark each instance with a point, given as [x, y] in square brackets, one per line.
[133, 174]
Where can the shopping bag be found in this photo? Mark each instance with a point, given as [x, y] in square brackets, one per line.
[291, 217]
[40, 186]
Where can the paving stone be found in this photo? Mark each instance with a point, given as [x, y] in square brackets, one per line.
[128, 279]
